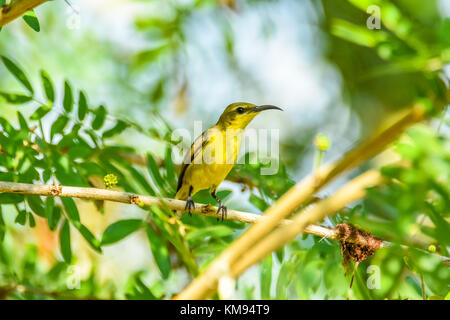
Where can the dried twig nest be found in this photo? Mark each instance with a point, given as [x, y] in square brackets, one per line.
[356, 244]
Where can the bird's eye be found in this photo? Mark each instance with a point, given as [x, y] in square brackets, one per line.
[240, 110]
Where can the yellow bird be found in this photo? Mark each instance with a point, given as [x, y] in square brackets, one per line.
[214, 152]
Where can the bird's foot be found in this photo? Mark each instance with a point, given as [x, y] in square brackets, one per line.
[189, 205]
[222, 209]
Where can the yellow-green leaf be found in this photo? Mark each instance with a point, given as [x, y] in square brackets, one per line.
[31, 20]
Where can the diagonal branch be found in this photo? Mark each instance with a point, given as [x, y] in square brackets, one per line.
[300, 222]
[350, 192]
[17, 8]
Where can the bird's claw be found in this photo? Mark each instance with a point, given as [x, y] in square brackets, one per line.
[222, 209]
[189, 205]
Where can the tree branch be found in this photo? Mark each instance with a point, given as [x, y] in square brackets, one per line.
[130, 198]
[16, 9]
[300, 223]
[350, 192]
[302, 192]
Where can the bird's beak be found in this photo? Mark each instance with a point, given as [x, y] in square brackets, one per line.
[265, 107]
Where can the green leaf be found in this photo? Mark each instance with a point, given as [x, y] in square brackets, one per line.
[49, 212]
[48, 86]
[54, 218]
[334, 277]
[23, 123]
[94, 243]
[30, 175]
[287, 274]
[36, 205]
[31, 19]
[442, 226]
[46, 174]
[117, 129]
[280, 255]
[7, 127]
[71, 210]
[153, 169]
[99, 120]
[137, 290]
[21, 217]
[64, 242]
[31, 220]
[158, 91]
[139, 178]
[357, 34]
[265, 277]
[15, 98]
[68, 97]
[7, 176]
[2, 226]
[40, 112]
[203, 234]
[82, 106]
[120, 230]
[59, 125]
[9, 198]
[80, 150]
[168, 164]
[17, 73]
[159, 251]
[258, 202]
[92, 168]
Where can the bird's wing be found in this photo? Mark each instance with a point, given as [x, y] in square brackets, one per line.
[199, 144]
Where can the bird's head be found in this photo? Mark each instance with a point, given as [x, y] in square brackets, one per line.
[239, 114]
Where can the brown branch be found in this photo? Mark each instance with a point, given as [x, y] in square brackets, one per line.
[130, 198]
[16, 9]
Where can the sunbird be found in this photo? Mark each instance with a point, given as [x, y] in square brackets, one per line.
[213, 154]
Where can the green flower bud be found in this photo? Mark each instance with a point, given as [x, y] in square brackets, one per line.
[110, 180]
[322, 142]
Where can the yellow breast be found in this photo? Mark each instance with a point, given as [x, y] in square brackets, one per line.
[217, 159]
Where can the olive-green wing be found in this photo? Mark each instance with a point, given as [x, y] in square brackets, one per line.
[195, 151]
